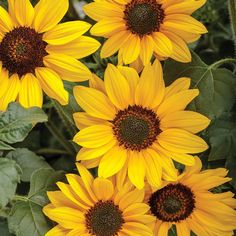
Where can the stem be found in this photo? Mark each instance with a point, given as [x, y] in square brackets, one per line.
[59, 137]
[221, 62]
[232, 13]
[66, 119]
[51, 151]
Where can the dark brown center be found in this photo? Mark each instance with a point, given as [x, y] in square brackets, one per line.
[143, 16]
[136, 127]
[173, 203]
[22, 50]
[104, 219]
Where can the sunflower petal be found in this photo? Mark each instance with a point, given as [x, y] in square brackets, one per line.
[66, 32]
[30, 93]
[24, 12]
[48, 14]
[52, 84]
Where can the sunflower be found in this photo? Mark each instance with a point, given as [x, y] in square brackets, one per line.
[189, 204]
[139, 28]
[137, 123]
[100, 207]
[36, 52]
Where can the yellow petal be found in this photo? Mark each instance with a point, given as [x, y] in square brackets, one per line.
[134, 196]
[94, 102]
[78, 48]
[30, 94]
[153, 167]
[83, 120]
[177, 102]
[97, 83]
[150, 89]
[52, 84]
[180, 49]
[181, 141]
[103, 188]
[186, 36]
[87, 179]
[67, 67]
[191, 121]
[114, 43]
[65, 216]
[91, 153]
[24, 12]
[112, 162]
[117, 87]
[94, 136]
[57, 230]
[177, 86]
[66, 32]
[48, 14]
[136, 169]
[4, 82]
[163, 229]
[162, 44]
[146, 51]
[76, 184]
[184, 7]
[184, 23]
[182, 229]
[70, 194]
[131, 49]
[6, 23]
[103, 9]
[58, 199]
[132, 78]
[108, 27]
[11, 93]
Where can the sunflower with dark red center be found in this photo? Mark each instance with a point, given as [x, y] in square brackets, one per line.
[140, 28]
[37, 53]
[98, 207]
[135, 123]
[189, 204]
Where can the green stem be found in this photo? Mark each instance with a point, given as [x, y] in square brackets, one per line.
[51, 151]
[66, 119]
[232, 13]
[221, 62]
[54, 131]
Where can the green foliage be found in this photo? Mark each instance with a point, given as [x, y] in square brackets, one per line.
[10, 176]
[4, 231]
[216, 86]
[17, 122]
[26, 216]
[28, 162]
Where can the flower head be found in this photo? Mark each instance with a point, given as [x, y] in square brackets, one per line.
[136, 123]
[140, 28]
[36, 52]
[99, 207]
[189, 204]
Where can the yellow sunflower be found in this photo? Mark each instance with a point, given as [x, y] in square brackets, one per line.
[36, 52]
[137, 123]
[100, 207]
[190, 206]
[139, 28]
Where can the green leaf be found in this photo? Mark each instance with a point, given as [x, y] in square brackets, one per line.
[4, 231]
[9, 177]
[43, 180]
[26, 218]
[216, 86]
[28, 161]
[17, 122]
[222, 138]
[5, 147]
